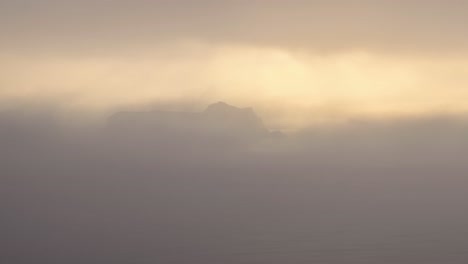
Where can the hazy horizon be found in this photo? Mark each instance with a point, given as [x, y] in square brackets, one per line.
[295, 61]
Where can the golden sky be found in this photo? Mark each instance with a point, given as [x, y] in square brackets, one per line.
[295, 61]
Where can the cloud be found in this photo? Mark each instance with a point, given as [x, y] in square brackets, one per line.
[415, 26]
[291, 89]
[293, 59]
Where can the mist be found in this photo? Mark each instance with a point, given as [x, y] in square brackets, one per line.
[233, 131]
[218, 186]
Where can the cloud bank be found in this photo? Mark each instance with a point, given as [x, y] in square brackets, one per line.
[412, 26]
[367, 191]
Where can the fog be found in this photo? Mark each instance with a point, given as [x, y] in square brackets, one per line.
[218, 186]
[341, 138]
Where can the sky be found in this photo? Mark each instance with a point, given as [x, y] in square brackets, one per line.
[295, 61]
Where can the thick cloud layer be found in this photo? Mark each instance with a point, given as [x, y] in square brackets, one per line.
[326, 58]
[323, 26]
[370, 191]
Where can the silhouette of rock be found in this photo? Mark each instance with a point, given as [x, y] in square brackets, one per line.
[219, 122]
[229, 119]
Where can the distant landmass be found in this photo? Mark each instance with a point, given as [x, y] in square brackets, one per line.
[218, 122]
